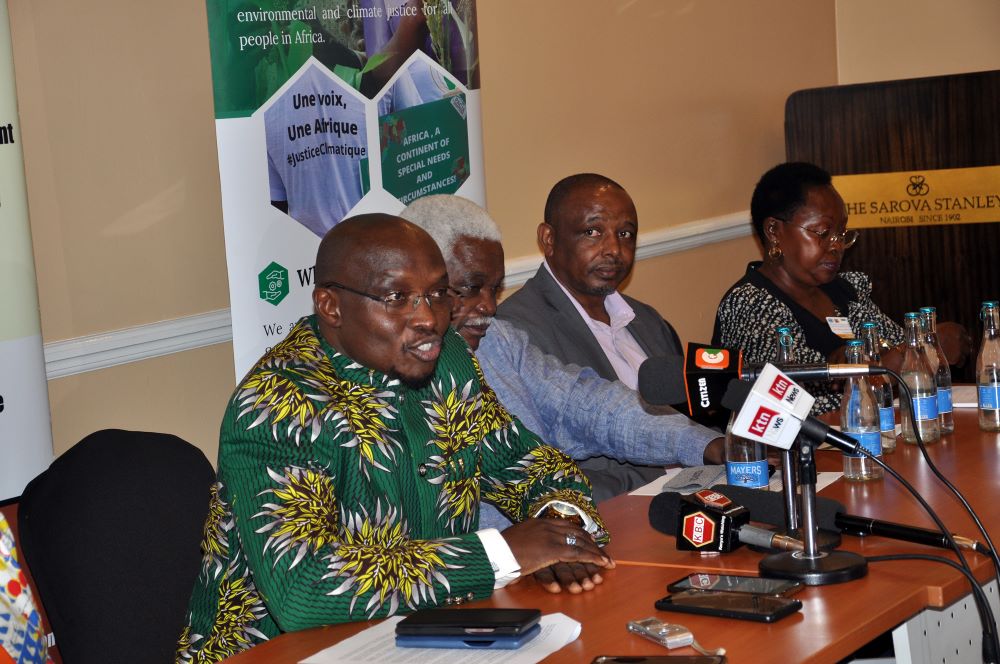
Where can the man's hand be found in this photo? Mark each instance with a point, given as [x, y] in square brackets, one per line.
[715, 452]
[559, 553]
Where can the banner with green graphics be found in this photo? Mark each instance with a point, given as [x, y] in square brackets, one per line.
[25, 431]
[325, 109]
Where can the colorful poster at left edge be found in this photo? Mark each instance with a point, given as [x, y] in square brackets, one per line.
[25, 428]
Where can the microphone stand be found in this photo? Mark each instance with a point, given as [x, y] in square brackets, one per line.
[788, 489]
[826, 539]
[812, 566]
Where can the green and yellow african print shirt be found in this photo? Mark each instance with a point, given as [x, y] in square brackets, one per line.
[345, 495]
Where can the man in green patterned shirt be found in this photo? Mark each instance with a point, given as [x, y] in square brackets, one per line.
[353, 457]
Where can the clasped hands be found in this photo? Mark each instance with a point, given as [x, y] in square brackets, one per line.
[559, 553]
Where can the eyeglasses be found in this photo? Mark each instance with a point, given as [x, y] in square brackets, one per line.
[396, 301]
[846, 239]
[468, 292]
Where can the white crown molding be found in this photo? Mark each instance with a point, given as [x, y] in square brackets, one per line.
[142, 342]
[132, 344]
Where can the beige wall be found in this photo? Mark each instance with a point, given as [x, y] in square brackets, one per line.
[123, 188]
[891, 39]
[681, 101]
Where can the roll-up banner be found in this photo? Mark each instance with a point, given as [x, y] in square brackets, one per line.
[25, 430]
[325, 109]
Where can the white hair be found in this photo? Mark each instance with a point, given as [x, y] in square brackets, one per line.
[447, 217]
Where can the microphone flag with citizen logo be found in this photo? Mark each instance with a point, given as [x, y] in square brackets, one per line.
[707, 372]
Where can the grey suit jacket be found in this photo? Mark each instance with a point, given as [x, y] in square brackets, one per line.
[553, 324]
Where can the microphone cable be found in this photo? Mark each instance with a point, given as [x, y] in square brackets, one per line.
[991, 643]
[944, 480]
[980, 594]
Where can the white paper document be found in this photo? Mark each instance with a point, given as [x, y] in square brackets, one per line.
[964, 396]
[378, 644]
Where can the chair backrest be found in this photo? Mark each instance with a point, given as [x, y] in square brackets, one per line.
[112, 532]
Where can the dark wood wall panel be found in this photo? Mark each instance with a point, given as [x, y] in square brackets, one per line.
[911, 125]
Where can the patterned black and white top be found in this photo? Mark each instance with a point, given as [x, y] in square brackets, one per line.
[754, 308]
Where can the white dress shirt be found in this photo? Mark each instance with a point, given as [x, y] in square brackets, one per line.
[621, 348]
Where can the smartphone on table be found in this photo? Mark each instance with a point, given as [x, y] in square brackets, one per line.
[743, 606]
[735, 583]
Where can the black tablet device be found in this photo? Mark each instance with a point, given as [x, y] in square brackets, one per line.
[492, 622]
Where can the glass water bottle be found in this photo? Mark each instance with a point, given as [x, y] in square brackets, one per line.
[859, 418]
[746, 460]
[872, 338]
[917, 375]
[988, 368]
[939, 366]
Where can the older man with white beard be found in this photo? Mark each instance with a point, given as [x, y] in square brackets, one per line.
[570, 407]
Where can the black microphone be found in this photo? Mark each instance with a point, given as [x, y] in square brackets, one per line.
[713, 528]
[767, 507]
[661, 381]
[700, 382]
[816, 371]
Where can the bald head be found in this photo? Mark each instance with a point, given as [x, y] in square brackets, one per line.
[358, 244]
[381, 295]
[558, 204]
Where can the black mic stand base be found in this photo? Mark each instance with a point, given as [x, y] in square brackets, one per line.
[812, 566]
[823, 569]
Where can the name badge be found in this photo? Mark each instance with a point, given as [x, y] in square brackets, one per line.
[840, 326]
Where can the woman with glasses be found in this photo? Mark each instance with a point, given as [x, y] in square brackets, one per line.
[801, 222]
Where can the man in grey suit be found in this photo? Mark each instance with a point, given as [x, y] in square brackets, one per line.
[568, 406]
[572, 309]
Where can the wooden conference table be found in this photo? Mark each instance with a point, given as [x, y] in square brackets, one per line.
[835, 620]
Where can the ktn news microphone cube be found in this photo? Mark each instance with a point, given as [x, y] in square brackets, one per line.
[773, 411]
[708, 521]
[788, 395]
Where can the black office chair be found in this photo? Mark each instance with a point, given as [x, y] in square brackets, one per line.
[112, 531]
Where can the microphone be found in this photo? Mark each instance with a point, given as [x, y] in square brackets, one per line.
[771, 410]
[700, 382]
[815, 371]
[709, 521]
[765, 421]
[661, 381]
[766, 507]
